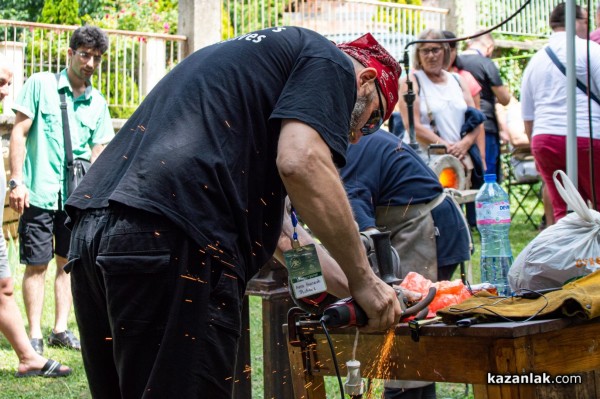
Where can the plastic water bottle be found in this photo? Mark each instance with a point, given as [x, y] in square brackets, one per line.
[493, 221]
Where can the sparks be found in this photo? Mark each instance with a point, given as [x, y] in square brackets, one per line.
[192, 278]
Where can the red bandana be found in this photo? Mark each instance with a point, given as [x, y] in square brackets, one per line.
[370, 53]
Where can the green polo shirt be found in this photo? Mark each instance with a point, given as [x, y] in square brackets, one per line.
[44, 169]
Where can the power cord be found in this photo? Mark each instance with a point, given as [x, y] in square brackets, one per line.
[323, 322]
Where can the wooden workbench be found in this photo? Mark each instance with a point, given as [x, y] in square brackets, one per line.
[454, 354]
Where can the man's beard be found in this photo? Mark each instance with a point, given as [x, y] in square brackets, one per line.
[359, 108]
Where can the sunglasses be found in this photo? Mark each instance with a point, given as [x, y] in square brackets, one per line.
[376, 119]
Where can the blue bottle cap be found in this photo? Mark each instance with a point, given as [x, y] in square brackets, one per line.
[489, 178]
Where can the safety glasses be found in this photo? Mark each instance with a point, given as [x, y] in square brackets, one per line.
[376, 119]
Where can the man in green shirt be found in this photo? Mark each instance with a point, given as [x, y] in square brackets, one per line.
[38, 184]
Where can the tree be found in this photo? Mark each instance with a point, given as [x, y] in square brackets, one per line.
[22, 10]
[61, 12]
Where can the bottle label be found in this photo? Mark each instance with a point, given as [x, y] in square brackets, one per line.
[493, 213]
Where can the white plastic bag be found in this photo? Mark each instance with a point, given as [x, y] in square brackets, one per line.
[570, 248]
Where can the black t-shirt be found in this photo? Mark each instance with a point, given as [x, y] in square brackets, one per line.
[201, 148]
[486, 73]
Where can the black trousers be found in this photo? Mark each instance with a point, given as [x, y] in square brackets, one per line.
[158, 316]
[426, 392]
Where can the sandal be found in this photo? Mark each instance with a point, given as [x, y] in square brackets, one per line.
[50, 369]
[65, 339]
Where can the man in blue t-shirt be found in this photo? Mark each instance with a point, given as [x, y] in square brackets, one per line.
[392, 189]
[186, 203]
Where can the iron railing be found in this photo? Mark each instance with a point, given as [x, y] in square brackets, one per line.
[532, 21]
[135, 61]
[340, 20]
[133, 64]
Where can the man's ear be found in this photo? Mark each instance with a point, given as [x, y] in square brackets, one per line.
[366, 76]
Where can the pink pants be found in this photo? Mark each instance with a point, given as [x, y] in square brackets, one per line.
[549, 152]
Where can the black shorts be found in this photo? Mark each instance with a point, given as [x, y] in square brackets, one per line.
[42, 234]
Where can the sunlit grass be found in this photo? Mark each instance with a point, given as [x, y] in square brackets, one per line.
[75, 386]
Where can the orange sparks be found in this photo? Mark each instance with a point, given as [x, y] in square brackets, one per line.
[192, 278]
[228, 125]
[227, 263]
[188, 300]
[230, 276]
[263, 201]
[382, 367]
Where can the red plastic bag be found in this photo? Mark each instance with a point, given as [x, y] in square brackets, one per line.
[448, 292]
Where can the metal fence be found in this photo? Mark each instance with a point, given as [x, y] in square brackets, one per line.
[340, 20]
[133, 64]
[135, 61]
[532, 21]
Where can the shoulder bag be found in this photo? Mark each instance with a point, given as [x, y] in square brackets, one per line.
[580, 85]
[76, 168]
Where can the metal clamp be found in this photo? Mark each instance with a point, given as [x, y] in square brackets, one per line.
[415, 326]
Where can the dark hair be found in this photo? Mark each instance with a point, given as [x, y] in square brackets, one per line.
[89, 36]
[557, 16]
[449, 35]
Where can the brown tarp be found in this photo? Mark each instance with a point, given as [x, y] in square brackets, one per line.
[580, 298]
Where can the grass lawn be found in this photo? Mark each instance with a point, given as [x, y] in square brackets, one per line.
[75, 386]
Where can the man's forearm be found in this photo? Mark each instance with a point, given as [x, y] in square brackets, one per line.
[316, 191]
[17, 154]
[96, 151]
[335, 279]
